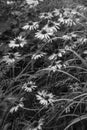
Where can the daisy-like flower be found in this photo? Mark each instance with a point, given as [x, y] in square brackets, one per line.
[32, 3]
[10, 2]
[31, 26]
[74, 12]
[45, 98]
[67, 12]
[59, 64]
[67, 21]
[68, 109]
[10, 58]
[82, 40]
[66, 37]
[37, 56]
[81, 8]
[54, 68]
[56, 12]
[51, 26]
[61, 52]
[69, 36]
[17, 42]
[29, 86]
[43, 35]
[53, 56]
[37, 125]
[16, 107]
[46, 15]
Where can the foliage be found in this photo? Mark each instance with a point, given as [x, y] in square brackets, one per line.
[43, 66]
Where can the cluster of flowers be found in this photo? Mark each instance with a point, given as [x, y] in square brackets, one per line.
[47, 31]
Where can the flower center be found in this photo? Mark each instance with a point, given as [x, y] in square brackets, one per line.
[28, 85]
[65, 17]
[30, 23]
[11, 56]
[46, 98]
[17, 41]
[44, 32]
[45, 14]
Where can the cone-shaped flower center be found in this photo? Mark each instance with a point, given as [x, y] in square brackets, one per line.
[30, 23]
[50, 24]
[45, 14]
[11, 56]
[44, 32]
[17, 41]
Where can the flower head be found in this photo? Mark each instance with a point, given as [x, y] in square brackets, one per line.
[10, 58]
[56, 12]
[29, 86]
[37, 56]
[46, 15]
[53, 57]
[51, 26]
[31, 26]
[16, 107]
[37, 125]
[17, 42]
[69, 36]
[74, 87]
[45, 98]
[10, 2]
[32, 3]
[43, 35]
[67, 20]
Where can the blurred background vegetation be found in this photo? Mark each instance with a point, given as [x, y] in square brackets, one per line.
[6, 17]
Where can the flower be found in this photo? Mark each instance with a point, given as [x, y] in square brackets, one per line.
[74, 87]
[10, 2]
[67, 12]
[56, 12]
[81, 8]
[17, 42]
[35, 125]
[66, 37]
[53, 56]
[45, 98]
[29, 86]
[82, 40]
[67, 21]
[15, 108]
[11, 57]
[37, 56]
[32, 3]
[54, 68]
[43, 35]
[46, 15]
[69, 36]
[51, 26]
[31, 26]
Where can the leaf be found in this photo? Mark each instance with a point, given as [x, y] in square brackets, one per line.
[6, 126]
[76, 120]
